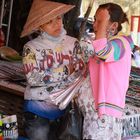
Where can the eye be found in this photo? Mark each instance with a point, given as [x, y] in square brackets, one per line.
[49, 22]
[59, 17]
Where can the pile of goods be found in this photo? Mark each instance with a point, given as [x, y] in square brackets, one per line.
[133, 94]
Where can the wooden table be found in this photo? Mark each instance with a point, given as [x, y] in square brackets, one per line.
[12, 88]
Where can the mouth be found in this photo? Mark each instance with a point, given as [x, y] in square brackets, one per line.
[58, 31]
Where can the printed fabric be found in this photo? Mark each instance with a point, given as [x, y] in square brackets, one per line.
[95, 127]
[50, 66]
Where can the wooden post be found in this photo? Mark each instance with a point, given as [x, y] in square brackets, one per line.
[83, 24]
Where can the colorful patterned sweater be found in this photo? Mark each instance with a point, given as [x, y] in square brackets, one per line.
[109, 72]
[50, 66]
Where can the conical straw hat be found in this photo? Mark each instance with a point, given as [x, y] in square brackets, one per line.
[41, 12]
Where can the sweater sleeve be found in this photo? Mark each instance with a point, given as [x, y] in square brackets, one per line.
[112, 50]
[31, 68]
[87, 49]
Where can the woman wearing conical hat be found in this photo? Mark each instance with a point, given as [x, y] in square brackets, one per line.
[52, 62]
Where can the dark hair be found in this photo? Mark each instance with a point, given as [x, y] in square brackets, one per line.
[116, 13]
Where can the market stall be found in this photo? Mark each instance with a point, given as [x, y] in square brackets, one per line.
[12, 86]
[131, 122]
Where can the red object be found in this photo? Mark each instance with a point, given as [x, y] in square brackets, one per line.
[1, 39]
[132, 23]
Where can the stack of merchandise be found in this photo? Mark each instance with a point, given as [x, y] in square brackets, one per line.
[11, 68]
[131, 119]
[12, 71]
[133, 94]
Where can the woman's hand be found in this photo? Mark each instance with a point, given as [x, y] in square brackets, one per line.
[101, 24]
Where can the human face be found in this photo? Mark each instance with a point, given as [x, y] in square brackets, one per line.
[101, 20]
[53, 27]
[102, 24]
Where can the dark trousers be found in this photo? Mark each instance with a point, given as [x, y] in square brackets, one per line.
[38, 128]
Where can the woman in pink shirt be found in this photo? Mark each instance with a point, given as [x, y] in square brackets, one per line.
[109, 75]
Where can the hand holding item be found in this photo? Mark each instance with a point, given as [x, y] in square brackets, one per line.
[101, 23]
[104, 27]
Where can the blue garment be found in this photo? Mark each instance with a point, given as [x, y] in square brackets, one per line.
[22, 138]
[43, 109]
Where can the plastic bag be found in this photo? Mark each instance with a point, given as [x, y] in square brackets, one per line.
[64, 97]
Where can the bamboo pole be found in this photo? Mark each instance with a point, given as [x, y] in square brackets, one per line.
[83, 24]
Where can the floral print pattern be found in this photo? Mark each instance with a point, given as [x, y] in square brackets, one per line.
[95, 128]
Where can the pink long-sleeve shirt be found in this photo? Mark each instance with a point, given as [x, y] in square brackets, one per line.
[109, 72]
